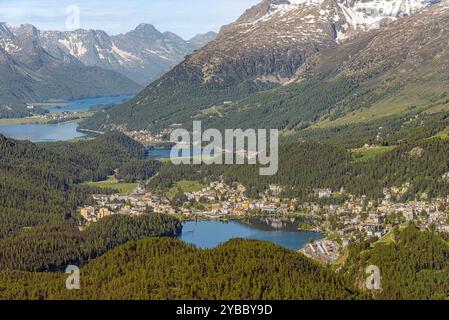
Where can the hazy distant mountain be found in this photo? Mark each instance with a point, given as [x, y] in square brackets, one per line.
[201, 40]
[34, 62]
[143, 54]
[29, 73]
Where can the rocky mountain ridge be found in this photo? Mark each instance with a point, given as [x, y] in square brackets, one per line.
[29, 73]
[142, 55]
[265, 47]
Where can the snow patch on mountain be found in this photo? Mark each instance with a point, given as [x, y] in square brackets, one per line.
[293, 4]
[348, 16]
[158, 54]
[74, 46]
[126, 56]
[367, 15]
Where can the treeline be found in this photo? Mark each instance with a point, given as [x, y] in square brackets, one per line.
[38, 183]
[170, 269]
[254, 104]
[413, 266]
[54, 247]
[292, 107]
[398, 129]
[173, 100]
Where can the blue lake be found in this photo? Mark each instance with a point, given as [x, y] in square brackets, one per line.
[86, 104]
[41, 132]
[209, 234]
[57, 132]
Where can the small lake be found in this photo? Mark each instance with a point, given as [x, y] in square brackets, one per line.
[42, 132]
[86, 104]
[209, 234]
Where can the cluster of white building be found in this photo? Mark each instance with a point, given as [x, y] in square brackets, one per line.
[323, 250]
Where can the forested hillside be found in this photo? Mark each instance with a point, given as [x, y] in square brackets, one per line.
[413, 266]
[305, 166]
[170, 269]
[39, 183]
[54, 247]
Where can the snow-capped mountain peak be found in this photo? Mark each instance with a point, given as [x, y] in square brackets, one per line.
[7, 38]
[5, 32]
[143, 54]
[288, 5]
[348, 17]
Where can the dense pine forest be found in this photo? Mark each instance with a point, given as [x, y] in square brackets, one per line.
[39, 184]
[53, 247]
[171, 269]
[422, 163]
[170, 103]
[414, 266]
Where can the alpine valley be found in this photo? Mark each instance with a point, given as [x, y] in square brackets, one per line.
[43, 65]
[359, 90]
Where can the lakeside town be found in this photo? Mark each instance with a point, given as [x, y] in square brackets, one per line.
[50, 117]
[341, 224]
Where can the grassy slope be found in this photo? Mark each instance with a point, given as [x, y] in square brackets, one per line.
[185, 186]
[366, 154]
[112, 183]
[426, 96]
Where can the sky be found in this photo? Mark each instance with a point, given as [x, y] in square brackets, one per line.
[183, 17]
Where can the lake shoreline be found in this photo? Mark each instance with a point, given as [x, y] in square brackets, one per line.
[208, 234]
[61, 121]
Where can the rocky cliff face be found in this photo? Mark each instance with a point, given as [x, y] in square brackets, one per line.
[271, 40]
[405, 47]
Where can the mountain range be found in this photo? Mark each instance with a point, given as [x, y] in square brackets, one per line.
[289, 47]
[41, 65]
[142, 55]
